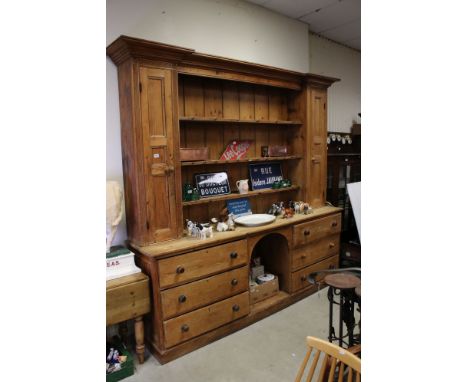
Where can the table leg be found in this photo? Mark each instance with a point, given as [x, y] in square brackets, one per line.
[139, 338]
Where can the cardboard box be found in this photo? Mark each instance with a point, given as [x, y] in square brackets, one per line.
[263, 291]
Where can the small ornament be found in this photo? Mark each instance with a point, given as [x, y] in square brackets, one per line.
[264, 151]
[109, 356]
[195, 194]
[297, 207]
[307, 209]
[187, 192]
[230, 222]
[221, 227]
[288, 213]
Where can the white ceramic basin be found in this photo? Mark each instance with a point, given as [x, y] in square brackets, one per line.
[255, 220]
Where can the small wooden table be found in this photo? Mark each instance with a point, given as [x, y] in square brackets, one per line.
[128, 298]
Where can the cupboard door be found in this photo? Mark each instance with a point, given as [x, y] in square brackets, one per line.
[319, 148]
[160, 144]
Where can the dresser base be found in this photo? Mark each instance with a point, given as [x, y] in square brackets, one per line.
[258, 311]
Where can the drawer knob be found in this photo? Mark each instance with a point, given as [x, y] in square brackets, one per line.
[303, 257]
[303, 278]
[334, 223]
[180, 270]
[306, 232]
[233, 255]
[182, 298]
[331, 245]
[235, 308]
[234, 282]
[184, 328]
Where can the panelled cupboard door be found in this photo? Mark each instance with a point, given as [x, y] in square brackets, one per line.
[319, 148]
[160, 145]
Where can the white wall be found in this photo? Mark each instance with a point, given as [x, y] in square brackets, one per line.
[344, 97]
[227, 28]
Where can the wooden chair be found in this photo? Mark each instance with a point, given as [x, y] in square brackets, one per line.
[334, 357]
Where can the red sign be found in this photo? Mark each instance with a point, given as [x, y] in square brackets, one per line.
[236, 150]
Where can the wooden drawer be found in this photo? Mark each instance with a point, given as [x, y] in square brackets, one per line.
[308, 232]
[205, 262]
[127, 301]
[200, 321]
[185, 298]
[299, 278]
[318, 250]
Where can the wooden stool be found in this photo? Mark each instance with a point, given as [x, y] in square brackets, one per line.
[128, 298]
[342, 285]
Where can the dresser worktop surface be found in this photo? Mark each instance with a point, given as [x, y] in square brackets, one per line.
[185, 244]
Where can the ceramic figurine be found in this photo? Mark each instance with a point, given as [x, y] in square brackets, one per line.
[288, 213]
[307, 209]
[230, 222]
[297, 207]
[281, 209]
[221, 227]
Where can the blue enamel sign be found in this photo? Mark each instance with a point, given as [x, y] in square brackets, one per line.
[239, 207]
[262, 175]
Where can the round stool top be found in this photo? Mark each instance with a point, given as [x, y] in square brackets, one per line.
[358, 290]
[343, 280]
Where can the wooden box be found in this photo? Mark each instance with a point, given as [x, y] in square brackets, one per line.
[263, 291]
[194, 154]
[277, 151]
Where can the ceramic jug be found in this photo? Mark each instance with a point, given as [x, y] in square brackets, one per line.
[243, 186]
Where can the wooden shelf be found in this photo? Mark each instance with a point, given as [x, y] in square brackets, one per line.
[246, 121]
[238, 196]
[247, 160]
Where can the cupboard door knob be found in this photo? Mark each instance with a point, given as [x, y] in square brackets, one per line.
[182, 298]
[235, 308]
[303, 278]
[306, 232]
[180, 270]
[303, 257]
[334, 224]
[331, 245]
[184, 328]
[233, 255]
[234, 282]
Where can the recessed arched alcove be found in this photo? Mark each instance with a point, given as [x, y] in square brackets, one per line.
[273, 250]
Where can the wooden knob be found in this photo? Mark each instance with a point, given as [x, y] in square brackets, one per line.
[303, 278]
[180, 270]
[306, 232]
[184, 328]
[182, 298]
[233, 255]
[334, 224]
[235, 308]
[331, 245]
[234, 282]
[303, 257]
